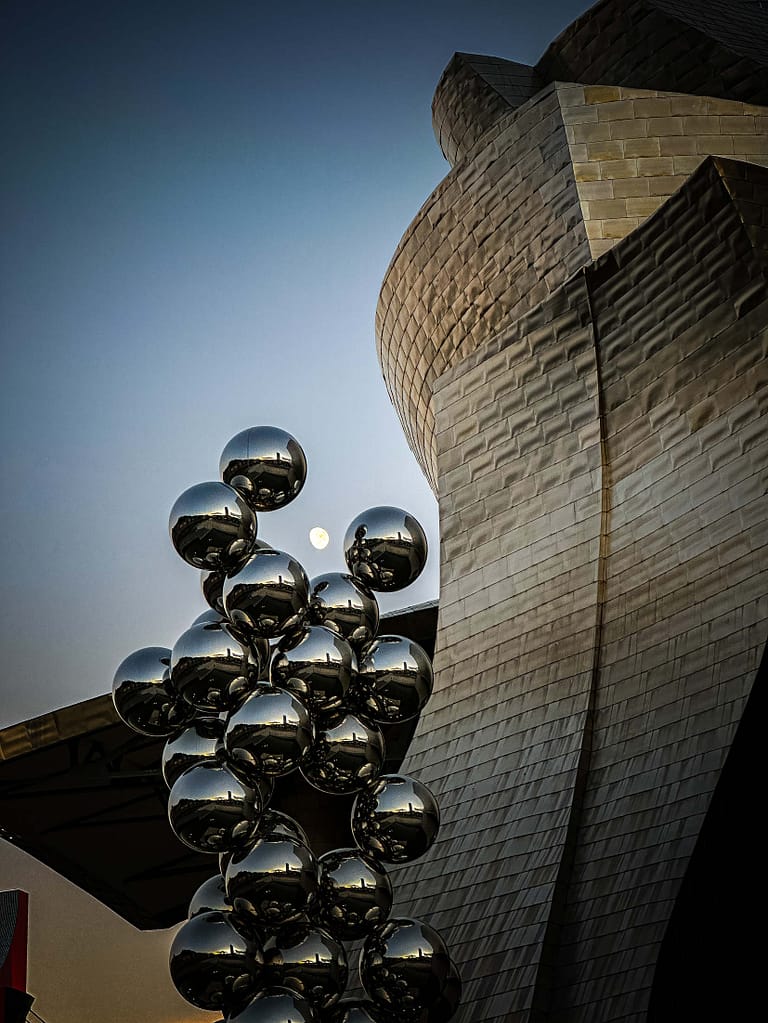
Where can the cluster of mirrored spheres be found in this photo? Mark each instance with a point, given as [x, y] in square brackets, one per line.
[284, 674]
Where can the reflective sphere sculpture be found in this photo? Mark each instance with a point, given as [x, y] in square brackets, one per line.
[212, 966]
[209, 617]
[266, 464]
[276, 1005]
[273, 822]
[200, 742]
[355, 894]
[316, 665]
[386, 548]
[210, 668]
[270, 733]
[210, 897]
[398, 675]
[212, 527]
[143, 695]
[345, 757]
[212, 585]
[211, 810]
[404, 967]
[396, 820]
[273, 882]
[310, 962]
[344, 604]
[268, 596]
[354, 1010]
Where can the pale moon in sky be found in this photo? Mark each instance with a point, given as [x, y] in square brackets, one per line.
[318, 537]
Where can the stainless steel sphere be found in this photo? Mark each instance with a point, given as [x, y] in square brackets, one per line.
[308, 961]
[276, 1005]
[316, 665]
[386, 548]
[212, 966]
[266, 464]
[396, 820]
[269, 595]
[210, 897]
[354, 1010]
[345, 604]
[345, 757]
[405, 967]
[272, 883]
[209, 617]
[398, 674]
[270, 733]
[143, 695]
[448, 1003]
[273, 822]
[211, 669]
[211, 810]
[212, 527]
[355, 894]
[200, 742]
[212, 585]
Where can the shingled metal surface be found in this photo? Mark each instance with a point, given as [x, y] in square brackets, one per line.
[602, 470]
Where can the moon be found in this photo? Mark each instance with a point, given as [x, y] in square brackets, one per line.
[318, 537]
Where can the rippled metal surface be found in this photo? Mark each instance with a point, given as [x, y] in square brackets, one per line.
[386, 548]
[275, 881]
[316, 664]
[212, 527]
[355, 894]
[309, 961]
[269, 595]
[211, 810]
[143, 695]
[405, 966]
[210, 897]
[200, 742]
[345, 757]
[266, 464]
[210, 668]
[276, 1005]
[271, 732]
[344, 604]
[396, 820]
[398, 674]
[212, 966]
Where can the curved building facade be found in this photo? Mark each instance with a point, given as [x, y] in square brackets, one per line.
[573, 331]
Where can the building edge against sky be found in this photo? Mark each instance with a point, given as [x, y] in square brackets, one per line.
[573, 332]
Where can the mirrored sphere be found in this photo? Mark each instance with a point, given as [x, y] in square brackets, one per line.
[212, 966]
[345, 757]
[199, 743]
[316, 665]
[212, 585]
[270, 733]
[354, 1010]
[405, 966]
[386, 548]
[210, 897]
[355, 894]
[398, 674]
[276, 1005]
[448, 1003]
[273, 882]
[342, 603]
[269, 595]
[143, 695]
[266, 464]
[274, 822]
[211, 810]
[396, 820]
[209, 617]
[308, 961]
[212, 527]
[210, 668]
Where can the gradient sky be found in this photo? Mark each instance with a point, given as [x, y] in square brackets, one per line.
[199, 203]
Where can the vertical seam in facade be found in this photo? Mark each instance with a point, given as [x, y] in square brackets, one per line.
[543, 985]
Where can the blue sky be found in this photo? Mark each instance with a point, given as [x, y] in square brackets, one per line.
[199, 203]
